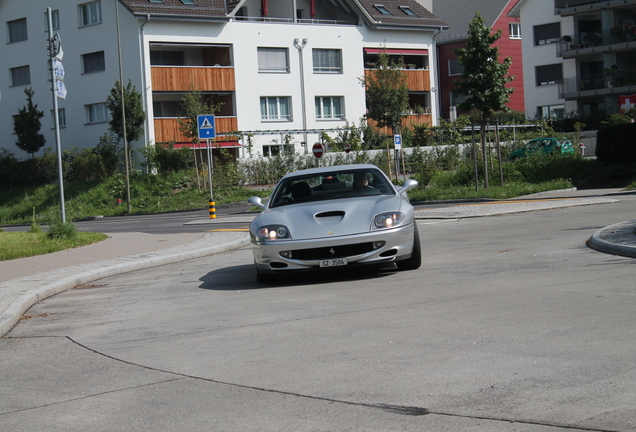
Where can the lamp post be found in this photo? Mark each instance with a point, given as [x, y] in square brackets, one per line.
[300, 45]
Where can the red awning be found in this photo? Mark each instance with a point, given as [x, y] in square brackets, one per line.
[213, 144]
[396, 51]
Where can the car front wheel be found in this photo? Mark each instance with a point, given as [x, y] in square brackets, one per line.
[261, 277]
[415, 261]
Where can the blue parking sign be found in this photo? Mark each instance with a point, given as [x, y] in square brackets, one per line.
[206, 126]
[397, 140]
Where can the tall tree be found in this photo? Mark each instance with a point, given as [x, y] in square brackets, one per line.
[27, 125]
[387, 93]
[135, 114]
[484, 78]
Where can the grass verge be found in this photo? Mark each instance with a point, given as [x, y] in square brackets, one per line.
[15, 245]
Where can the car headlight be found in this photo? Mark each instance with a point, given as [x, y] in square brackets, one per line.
[274, 232]
[388, 220]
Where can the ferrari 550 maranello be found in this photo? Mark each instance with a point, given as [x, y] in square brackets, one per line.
[337, 216]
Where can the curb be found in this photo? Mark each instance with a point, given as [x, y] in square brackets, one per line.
[12, 314]
[598, 243]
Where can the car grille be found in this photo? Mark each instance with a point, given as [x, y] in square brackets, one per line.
[332, 251]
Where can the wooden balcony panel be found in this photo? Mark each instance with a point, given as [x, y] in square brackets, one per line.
[416, 79]
[167, 129]
[408, 121]
[186, 78]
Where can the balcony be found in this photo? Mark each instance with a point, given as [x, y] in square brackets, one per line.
[184, 78]
[617, 82]
[167, 129]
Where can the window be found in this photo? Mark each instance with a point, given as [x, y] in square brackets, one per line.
[549, 74]
[454, 67]
[514, 30]
[407, 10]
[61, 115]
[20, 76]
[383, 10]
[167, 58]
[17, 30]
[156, 1]
[329, 108]
[165, 109]
[271, 150]
[547, 33]
[273, 60]
[55, 19]
[90, 13]
[457, 98]
[327, 60]
[93, 62]
[275, 108]
[551, 111]
[96, 113]
[188, 2]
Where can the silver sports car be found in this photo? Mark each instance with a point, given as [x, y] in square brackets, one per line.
[334, 216]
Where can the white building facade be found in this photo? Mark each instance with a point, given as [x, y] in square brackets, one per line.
[281, 73]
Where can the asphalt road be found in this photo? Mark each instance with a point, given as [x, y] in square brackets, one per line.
[511, 324]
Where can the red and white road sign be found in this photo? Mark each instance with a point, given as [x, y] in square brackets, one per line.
[347, 147]
[318, 150]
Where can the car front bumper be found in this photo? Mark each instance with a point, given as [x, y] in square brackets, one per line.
[358, 249]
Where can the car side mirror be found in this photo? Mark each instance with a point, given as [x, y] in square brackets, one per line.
[255, 200]
[408, 185]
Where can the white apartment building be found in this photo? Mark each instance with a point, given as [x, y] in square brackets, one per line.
[283, 70]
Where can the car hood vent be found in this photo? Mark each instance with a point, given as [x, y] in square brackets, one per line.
[329, 217]
[338, 213]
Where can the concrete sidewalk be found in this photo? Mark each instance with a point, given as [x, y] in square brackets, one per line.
[25, 281]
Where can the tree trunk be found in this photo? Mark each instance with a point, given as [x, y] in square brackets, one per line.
[484, 154]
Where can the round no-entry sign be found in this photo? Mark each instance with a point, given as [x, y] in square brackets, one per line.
[347, 147]
[318, 150]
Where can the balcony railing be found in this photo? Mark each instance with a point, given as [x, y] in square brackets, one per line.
[167, 129]
[282, 20]
[605, 83]
[591, 4]
[616, 35]
[184, 78]
[416, 79]
[409, 121]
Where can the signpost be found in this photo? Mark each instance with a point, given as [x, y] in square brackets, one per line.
[206, 130]
[59, 91]
[397, 142]
[347, 147]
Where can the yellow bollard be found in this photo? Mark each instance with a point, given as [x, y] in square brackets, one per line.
[212, 209]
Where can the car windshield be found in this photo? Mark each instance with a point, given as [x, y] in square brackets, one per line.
[331, 185]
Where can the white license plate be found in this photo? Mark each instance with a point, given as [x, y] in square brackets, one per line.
[335, 262]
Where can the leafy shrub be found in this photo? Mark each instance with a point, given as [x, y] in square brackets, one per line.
[60, 230]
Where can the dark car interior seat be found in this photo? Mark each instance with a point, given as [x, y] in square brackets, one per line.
[300, 191]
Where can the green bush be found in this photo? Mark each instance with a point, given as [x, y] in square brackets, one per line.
[62, 230]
